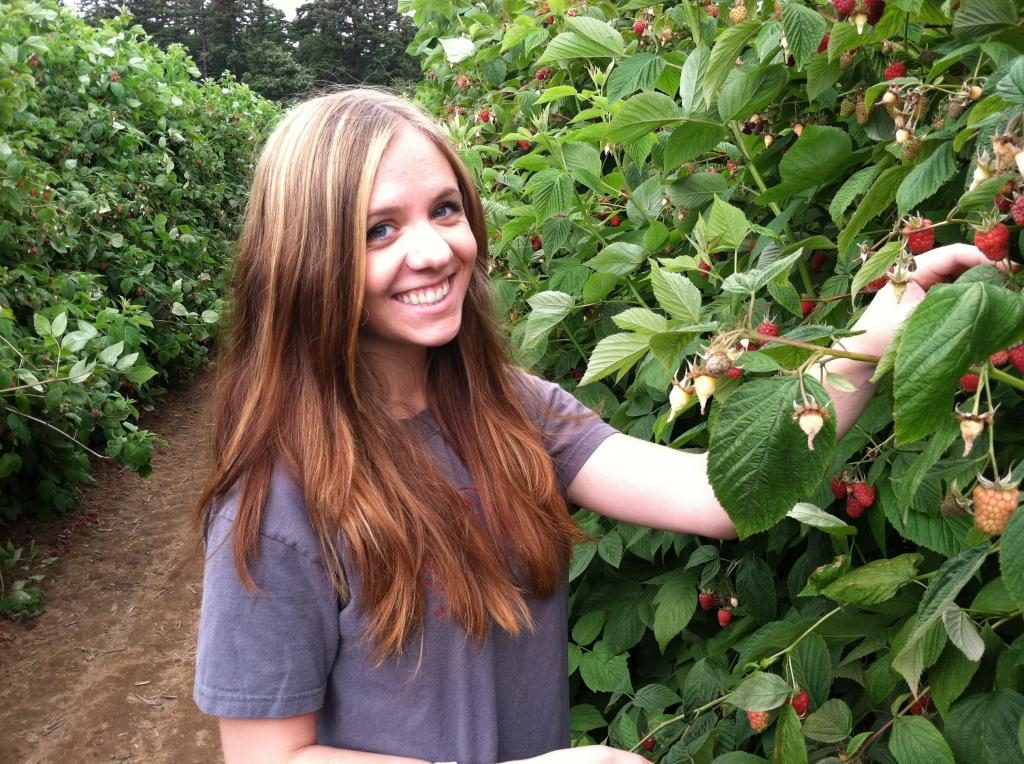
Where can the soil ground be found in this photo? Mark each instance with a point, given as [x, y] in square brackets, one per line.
[105, 674]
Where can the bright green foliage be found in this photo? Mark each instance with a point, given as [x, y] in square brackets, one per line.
[122, 180]
[651, 195]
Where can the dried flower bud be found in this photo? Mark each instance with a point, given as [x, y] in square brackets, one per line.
[810, 417]
[717, 363]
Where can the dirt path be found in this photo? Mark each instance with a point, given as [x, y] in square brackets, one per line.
[105, 674]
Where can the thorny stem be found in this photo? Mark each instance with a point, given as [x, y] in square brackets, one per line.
[680, 717]
[57, 430]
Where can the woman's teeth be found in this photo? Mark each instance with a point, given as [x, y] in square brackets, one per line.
[424, 296]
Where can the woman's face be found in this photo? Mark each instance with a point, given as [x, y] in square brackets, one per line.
[420, 250]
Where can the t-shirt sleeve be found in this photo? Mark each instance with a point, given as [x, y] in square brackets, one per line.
[266, 653]
[571, 431]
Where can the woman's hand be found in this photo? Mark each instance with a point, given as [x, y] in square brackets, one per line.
[882, 317]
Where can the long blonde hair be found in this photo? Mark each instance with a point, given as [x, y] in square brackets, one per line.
[293, 391]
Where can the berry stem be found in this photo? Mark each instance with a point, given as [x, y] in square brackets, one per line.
[771, 659]
[829, 351]
[57, 430]
[1007, 379]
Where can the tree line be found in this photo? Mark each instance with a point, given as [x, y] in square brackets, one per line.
[328, 41]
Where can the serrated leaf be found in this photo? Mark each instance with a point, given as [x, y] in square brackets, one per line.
[875, 201]
[761, 691]
[618, 258]
[875, 581]
[41, 324]
[753, 440]
[692, 139]
[955, 325]
[723, 56]
[640, 320]
[178, 309]
[140, 374]
[804, 29]
[126, 361]
[819, 157]
[674, 605]
[915, 740]
[111, 353]
[693, 73]
[588, 627]
[603, 673]
[814, 516]
[589, 38]
[994, 597]
[555, 93]
[1011, 558]
[655, 697]
[812, 668]
[609, 548]
[926, 178]
[949, 677]
[549, 308]
[977, 18]
[984, 728]
[584, 717]
[58, 325]
[962, 632]
[210, 316]
[876, 266]
[749, 90]
[727, 226]
[636, 72]
[822, 74]
[857, 184]
[643, 114]
[1011, 87]
[831, 723]
[615, 353]
[676, 295]
[551, 193]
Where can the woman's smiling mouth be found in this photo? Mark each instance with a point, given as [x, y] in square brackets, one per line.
[426, 296]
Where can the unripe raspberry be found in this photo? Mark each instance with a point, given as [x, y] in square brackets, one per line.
[704, 386]
[738, 13]
[994, 504]
[759, 720]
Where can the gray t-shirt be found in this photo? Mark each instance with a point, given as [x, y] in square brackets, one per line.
[294, 648]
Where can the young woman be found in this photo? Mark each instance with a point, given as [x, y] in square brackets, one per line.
[386, 524]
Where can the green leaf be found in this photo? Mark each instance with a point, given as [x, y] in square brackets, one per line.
[551, 193]
[589, 38]
[875, 201]
[585, 717]
[59, 324]
[926, 178]
[789, 742]
[875, 581]
[983, 728]
[642, 114]
[962, 632]
[994, 598]
[822, 74]
[674, 605]
[640, 320]
[761, 691]
[111, 353]
[588, 627]
[876, 266]
[755, 585]
[41, 324]
[819, 157]
[178, 309]
[954, 326]
[949, 677]
[857, 184]
[1011, 87]
[727, 225]
[915, 740]
[815, 517]
[615, 353]
[804, 30]
[618, 258]
[812, 667]
[1011, 558]
[694, 71]
[140, 374]
[749, 90]
[690, 140]
[636, 72]
[676, 295]
[831, 723]
[549, 308]
[695, 191]
[609, 548]
[753, 440]
[605, 673]
[978, 18]
[723, 56]
[655, 697]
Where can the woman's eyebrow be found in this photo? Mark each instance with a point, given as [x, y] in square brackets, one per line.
[445, 193]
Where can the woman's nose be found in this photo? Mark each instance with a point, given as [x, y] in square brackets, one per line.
[427, 248]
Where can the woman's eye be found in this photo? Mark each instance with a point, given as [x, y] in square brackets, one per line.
[448, 208]
[378, 232]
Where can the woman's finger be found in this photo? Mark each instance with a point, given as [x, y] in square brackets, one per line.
[941, 263]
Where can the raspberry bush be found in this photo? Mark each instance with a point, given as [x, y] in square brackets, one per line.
[121, 180]
[734, 181]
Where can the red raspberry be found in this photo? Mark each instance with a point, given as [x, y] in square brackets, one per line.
[993, 240]
[639, 26]
[920, 705]
[735, 373]
[800, 701]
[823, 45]
[1016, 356]
[706, 600]
[853, 507]
[484, 115]
[806, 306]
[648, 744]
[898, 69]
[614, 221]
[759, 720]
[704, 266]
[918, 240]
[1000, 358]
[818, 260]
[864, 493]
[1017, 210]
[844, 7]
[524, 144]
[724, 617]
[712, 10]
[874, 286]
[875, 9]
[969, 383]
[840, 488]
[769, 328]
